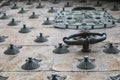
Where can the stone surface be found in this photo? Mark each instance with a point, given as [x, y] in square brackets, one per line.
[63, 64]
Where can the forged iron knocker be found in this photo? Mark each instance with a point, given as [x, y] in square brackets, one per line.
[84, 39]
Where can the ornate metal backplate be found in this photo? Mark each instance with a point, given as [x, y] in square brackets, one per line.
[78, 19]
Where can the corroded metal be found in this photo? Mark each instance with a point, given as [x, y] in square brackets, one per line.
[33, 16]
[31, 64]
[86, 63]
[115, 8]
[56, 77]
[40, 6]
[12, 50]
[13, 22]
[41, 38]
[15, 6]
[111, 49]
[47, 22]
[3, 78]
[52, 10]
[61, 49]
[4, 16]
[85, 38]
[24, 29]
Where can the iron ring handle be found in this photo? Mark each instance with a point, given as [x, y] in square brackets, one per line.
[82, 41]
[80, 34]
[73, 42]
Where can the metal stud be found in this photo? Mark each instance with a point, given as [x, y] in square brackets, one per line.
[56, 2]
[82, 1]
[12, 50]
[33, 16]
[31, 64]
[2, 38]
[86, 63]
[77, 39]
[47, 22]
[4, 16]
[63, 9]
[24, 29]
[13, 22]
[3, 78]
[41, 38]
[115, 8]
[22, 11]
[40, 6]
[52, 10]
[15, 6]
[98, 4]
[110, 49]
[30, 2]
[56, 77]
[68, 4]
[61, 49]
[118, 21]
